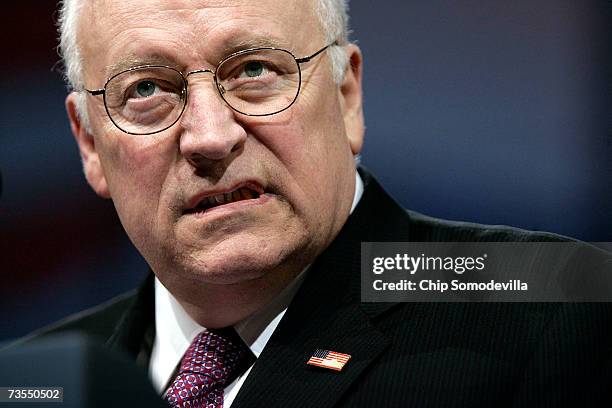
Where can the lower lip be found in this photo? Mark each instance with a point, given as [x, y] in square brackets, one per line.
[233, 207]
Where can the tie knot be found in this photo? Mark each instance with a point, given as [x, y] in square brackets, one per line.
[213, 360]
[220, 354]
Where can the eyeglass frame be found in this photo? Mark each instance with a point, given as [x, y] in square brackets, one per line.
[298, 61]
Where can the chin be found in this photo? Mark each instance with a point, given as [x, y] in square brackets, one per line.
[233, 268]
[235, 258]
[224, 274]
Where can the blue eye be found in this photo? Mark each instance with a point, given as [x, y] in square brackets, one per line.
[145, 88]
[253, 69]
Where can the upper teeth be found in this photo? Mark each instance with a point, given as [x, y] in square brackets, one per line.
[241, 193]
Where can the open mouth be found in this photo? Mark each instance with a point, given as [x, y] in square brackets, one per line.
[208, 202]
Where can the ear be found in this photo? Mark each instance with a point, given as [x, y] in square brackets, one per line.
[351, 99]
[89, 156]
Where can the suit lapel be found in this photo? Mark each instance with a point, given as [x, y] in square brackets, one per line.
[136, 328]
[326, 313]
[319, 317]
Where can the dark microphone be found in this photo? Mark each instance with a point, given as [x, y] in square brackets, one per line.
[89, 374]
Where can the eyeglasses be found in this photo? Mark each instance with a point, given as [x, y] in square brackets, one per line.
[255, 82]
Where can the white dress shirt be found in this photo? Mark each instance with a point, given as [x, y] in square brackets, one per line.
[175, 329]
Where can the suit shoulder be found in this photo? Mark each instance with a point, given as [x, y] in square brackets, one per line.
[428, 228]
[98, 321]
[386, 220]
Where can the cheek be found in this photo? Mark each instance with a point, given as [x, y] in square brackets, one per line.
[309, 138]
[136, 169]
[323, 148]
[311, 154]
[139, 161]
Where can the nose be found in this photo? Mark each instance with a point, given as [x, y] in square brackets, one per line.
[209, 129]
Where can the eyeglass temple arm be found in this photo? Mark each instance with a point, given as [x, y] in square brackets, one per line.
[308, 58]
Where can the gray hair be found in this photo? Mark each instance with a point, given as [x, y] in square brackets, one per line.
[333, 15]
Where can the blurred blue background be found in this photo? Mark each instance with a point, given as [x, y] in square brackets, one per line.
[487, 111]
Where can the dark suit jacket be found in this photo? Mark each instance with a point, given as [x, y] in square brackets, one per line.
[403, 354]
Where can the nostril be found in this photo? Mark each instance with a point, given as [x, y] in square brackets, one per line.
[197, 160]
[237, 147]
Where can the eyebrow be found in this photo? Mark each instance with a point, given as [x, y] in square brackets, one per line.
[236, 44]
[132, 61]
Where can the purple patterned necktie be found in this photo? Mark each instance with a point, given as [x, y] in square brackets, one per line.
[213, 360]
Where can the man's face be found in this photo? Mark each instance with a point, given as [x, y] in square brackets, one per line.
[300, 160]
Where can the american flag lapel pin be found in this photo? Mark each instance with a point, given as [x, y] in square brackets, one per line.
[328, 359]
